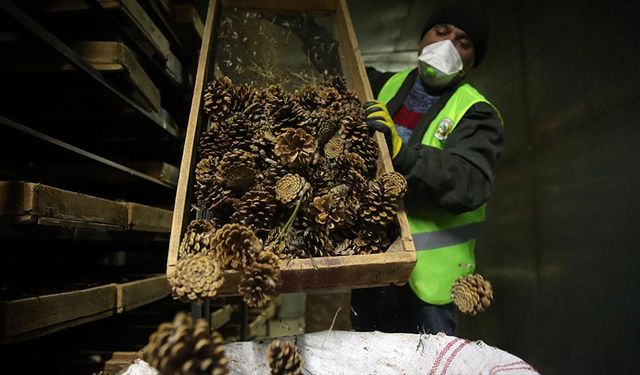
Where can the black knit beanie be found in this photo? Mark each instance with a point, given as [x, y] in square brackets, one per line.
[468, 17]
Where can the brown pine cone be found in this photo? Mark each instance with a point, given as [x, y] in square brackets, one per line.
[237, 169]
[260, 282]
[290, 188]
[179, 348]
[256, 210]
[394, 185]
[283, 358]
[472, 294]
[218, 98]
[236, 246]
[328, 211]
[334, 148]
[196, 238]
[316, 243]
[295, 148]
[195, 278]
[376, 209]
[372, 240]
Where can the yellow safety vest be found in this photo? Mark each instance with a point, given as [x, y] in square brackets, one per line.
[444, 242]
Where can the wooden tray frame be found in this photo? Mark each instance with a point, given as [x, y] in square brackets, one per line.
[393, 266]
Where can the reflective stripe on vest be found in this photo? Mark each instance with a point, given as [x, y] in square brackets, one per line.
[445, 242]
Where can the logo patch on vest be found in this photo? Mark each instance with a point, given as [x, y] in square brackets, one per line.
[445, 126]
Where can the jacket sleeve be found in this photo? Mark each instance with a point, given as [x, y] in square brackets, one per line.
[377, 79]
[459, 177]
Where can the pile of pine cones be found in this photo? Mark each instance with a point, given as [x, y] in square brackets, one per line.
[283, 175]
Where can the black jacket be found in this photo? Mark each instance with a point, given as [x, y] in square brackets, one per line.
[459, 177]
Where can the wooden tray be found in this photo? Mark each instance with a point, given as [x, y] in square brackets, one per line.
[393, 266]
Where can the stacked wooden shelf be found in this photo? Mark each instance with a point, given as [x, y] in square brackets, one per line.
[89, 140]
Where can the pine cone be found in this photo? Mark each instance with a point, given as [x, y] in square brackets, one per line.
[218, 98]
[260, 281]
[371, 241]
[283, 358]
[290, 188]
[472, 294]
[310, 97]
[196, 238]
[295, 148]
[205, 169]
[376, 208]
[270, 176]
[345, 248]
[179, 348]
[329, 211]
[284, 112]
[316, 243]
[337, 82]
[394, 185]
[216, 195]
[239, 131]
[236, 246]
[334, 148]
[256, 210]
[213, 142]
[195, 278]
[237, 169]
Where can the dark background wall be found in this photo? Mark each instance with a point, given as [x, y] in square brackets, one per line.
[561, 241]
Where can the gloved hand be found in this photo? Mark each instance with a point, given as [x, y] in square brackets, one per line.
[378, 118]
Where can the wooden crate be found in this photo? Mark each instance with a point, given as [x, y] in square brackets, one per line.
[393, 266]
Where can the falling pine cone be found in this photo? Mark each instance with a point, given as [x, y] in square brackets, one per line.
[179, 348]
[295, 148]
[310, 97]
[260, 282]
[472, 294]
[236, 246]
[196, 278]
[196, 238]
[290, 188]
[394, 185]
[283, 358]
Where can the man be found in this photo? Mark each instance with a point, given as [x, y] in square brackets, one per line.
[445, 138]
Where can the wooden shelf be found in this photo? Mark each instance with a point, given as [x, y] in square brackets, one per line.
[141, 292]
[221, 316]
[30, 203]
[33, 317]
[258, 327]
[37, 316]
[132, 17]
[32, 155]
[188, 25]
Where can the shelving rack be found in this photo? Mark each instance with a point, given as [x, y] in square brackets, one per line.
[92, 123]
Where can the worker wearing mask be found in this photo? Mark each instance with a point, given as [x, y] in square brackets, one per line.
[445, 138]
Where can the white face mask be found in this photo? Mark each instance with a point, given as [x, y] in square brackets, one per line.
[439, 63]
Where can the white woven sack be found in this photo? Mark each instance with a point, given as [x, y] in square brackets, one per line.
[339, 352]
